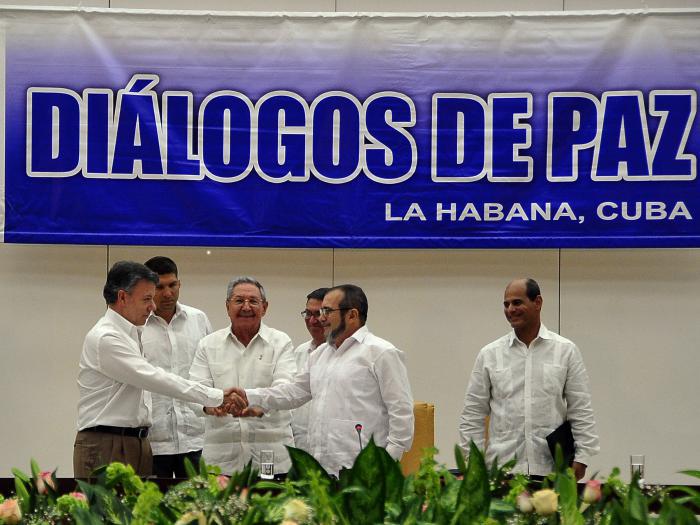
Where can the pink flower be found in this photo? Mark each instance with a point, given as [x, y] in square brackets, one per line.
[591, 492]
[78, 496]
[222, 481]
[10, 512]
[524, 502]
[44, 480]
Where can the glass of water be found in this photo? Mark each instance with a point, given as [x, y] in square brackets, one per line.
[637, 467]
[267, 464]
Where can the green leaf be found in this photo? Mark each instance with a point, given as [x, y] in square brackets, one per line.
[459, 459]
[25, 499]
[474, 498]
[393, 478]
[673, 513]
[367, 505]
[17, 473]
[303, 464]
[36, 471]
[636, 504]
[83, 516]
[565, 486]
[500, 508]
[189, 468]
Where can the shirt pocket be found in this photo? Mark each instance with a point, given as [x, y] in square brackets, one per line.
[261, 375]
[554, 379]
[501, 383]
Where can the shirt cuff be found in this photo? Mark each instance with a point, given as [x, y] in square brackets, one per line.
[254, 399]
[216, 397]
[584, 460]
[394, 451]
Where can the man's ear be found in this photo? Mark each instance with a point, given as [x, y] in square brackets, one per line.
[538, 302]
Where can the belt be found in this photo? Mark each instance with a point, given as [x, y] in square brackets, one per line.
[139, 432]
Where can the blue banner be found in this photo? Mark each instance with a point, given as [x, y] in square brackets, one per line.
[525, 130]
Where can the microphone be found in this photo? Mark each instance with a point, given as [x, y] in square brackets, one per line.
[358, 429]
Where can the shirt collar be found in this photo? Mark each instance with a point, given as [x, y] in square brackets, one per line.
[264, 332]
[155, 318]
[357, 336]
[122, 323]
[542, 333]
[313, 346]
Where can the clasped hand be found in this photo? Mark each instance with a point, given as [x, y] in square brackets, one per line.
[236, 404]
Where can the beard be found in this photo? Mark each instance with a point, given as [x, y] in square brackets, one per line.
[333, 334]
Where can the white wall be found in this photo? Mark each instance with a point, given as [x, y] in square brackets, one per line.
[630, 311]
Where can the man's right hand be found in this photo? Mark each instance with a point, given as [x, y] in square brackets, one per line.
[234, 403]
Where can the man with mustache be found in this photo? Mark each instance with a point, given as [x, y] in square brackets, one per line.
[529, 382]
[357, 384]
[246, 354]
[170, 338]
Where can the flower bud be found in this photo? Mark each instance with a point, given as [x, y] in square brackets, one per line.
[591, 493]
[44, 480]
[524, 502]
[545, 502]
[222, 481]
[10, 512]
[78, 496]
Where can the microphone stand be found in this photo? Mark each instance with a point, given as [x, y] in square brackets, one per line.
[358, 429]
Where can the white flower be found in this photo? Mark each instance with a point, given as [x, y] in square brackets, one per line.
[545, 502]
[296, 510]
[524, 502]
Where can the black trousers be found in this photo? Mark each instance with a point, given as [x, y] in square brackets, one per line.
[173, 465]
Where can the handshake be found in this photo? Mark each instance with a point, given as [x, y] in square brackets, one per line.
[236, 404]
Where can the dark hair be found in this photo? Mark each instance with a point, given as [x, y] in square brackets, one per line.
[317, 294]
[353, 297]
[532, 289]
[161, 265]
[124, 275]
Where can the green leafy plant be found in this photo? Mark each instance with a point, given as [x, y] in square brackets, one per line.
[373, 492]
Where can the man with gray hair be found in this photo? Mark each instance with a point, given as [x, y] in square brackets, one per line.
[114, 411]
[246, 354]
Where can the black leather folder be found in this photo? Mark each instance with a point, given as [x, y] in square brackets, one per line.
[562, 435]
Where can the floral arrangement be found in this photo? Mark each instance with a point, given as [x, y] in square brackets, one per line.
[373, 491]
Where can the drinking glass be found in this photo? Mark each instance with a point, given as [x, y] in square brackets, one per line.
[637, 467]
[267, 464]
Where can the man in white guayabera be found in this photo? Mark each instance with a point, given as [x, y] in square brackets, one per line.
[246, 354]
[114, 409]
[356, 382]
[312, 318]
[529, 382]
[170, 338]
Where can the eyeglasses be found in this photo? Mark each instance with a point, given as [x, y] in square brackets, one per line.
[325, 312]
[308, 314]
[240, 301]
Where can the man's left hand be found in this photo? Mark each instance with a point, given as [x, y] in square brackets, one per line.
[579, 470]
